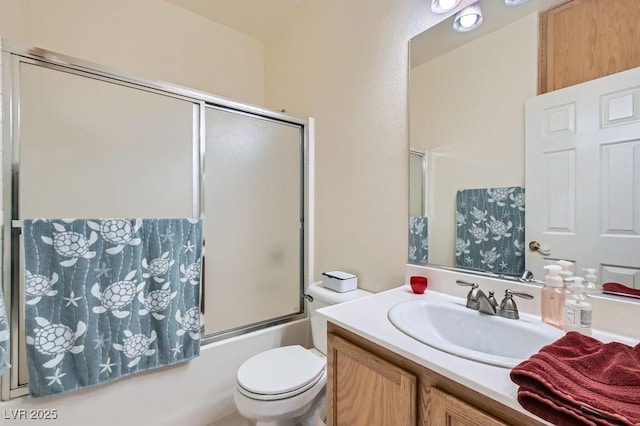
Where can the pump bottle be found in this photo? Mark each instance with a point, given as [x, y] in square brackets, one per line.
[552, 298]
[577, 309]
[591, 287]
[565, 273]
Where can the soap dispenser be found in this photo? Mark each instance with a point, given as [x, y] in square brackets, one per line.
[552, 298]
[565, 273]
[577, 308]
[591, 287]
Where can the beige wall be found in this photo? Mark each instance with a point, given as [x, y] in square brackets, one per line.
[14, 20]
[345, 63]
[467, 110]
[153, 39]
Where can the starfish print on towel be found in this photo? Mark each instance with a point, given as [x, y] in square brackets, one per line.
[72, 299]
[106, 367]
[55, 378]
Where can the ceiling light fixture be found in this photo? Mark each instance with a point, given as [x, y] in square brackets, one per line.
[443, 6]
[468, 18]
[514, 2]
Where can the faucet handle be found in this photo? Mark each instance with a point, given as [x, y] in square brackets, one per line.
[492, 299]
[467, 283]
[508, 308]
[523, 294]
[472, 298]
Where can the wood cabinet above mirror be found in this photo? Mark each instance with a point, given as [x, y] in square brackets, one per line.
[582, 40]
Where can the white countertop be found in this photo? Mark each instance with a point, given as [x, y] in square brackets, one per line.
[367, 317]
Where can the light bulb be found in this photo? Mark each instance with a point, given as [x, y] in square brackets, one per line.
[447, 4]
[468, 18]
[467, 21]
[443, 6]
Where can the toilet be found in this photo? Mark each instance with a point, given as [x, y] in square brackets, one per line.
[284, 386]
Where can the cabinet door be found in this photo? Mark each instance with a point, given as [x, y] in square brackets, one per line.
[366, 390]
[582, 40]
[447, 410]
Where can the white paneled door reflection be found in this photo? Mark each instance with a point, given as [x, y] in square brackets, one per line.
[583, 177]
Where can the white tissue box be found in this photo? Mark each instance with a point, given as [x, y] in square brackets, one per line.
[339, 281]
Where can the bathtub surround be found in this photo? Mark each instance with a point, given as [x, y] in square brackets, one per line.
[107, 298]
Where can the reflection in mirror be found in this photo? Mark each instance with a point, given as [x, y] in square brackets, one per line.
[467, 96]
[418, 239]
[417, 182]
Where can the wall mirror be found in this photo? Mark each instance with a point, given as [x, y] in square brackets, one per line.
[467, 95]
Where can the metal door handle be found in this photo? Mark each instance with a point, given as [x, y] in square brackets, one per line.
[536, 246]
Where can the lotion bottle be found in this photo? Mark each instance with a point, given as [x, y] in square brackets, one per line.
[591, 287]
[577, 309]
[553, 297]
[565, 273]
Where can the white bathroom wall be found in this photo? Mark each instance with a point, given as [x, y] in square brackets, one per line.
[343, 62]
[15, 22]
[346, 63]
[156, 40]
[467, 111]
[153, 39]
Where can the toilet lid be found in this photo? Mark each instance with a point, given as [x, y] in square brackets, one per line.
[280, 370]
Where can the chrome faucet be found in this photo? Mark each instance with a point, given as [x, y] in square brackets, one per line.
[477, 300]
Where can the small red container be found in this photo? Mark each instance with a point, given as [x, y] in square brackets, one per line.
[418, 284]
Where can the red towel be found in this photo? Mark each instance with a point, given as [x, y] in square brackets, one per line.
[622, 290]
[579, 380]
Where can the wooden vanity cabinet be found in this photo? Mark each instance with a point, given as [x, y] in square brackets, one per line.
[447, 410]
[368, 385]
[369, 390]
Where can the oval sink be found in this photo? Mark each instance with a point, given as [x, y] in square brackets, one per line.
[453, 328]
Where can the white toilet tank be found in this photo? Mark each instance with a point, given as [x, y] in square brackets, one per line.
[320, 297]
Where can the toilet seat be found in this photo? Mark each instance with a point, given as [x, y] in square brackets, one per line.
[280, 373]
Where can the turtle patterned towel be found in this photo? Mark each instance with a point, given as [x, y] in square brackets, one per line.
[105, 298]
[4, 335]
[490, 229]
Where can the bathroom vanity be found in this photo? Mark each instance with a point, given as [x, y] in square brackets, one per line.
[370, 385]
[377, 375]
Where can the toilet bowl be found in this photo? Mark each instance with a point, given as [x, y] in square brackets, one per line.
[284, 386]
[279, 386]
